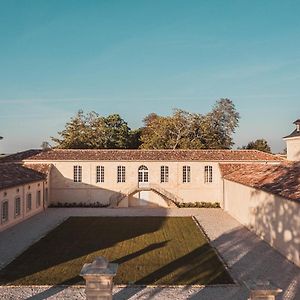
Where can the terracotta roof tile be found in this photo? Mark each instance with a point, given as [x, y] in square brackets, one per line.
[282, 179]
[14, 174]
[41, 168]
[18, 157]
[146, 155]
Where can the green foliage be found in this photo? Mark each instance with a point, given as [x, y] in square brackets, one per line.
[184, 130]
[181, 130]
[260, 144]
[92, 131]
[199, 205]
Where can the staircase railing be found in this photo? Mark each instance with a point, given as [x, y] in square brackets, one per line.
[116, 198]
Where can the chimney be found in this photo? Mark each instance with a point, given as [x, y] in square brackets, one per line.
[293, 143]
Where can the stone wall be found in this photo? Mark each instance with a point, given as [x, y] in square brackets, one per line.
[273, 218]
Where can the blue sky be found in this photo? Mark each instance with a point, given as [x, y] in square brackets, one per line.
[137, 57]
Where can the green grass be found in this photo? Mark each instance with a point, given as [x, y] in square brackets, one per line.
[149, 250]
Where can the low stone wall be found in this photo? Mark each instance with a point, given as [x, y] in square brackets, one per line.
[275, 219]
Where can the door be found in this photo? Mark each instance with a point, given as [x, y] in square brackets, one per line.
[143, 176]
[143, 179]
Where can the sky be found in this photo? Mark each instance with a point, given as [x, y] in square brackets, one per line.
[137, 57]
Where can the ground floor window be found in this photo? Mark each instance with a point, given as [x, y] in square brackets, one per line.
[121, 174]
[38, 199]
[4, 212]
[17, 206]
[77, 173]
[164, 174]
[186, 174]
[28, 202]
[208, 174]
[99, 174]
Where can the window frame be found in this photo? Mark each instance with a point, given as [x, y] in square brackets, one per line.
[20, 208]
[164, 174]
[77, 173]
[186, 174]
[100, 174]
[38, 200]
[208, 174]
[3, 221]
[121, 174]
[27, 201]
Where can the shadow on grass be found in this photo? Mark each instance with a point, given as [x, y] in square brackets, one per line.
[149, 250]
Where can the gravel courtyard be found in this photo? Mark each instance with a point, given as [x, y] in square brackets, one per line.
[246, 256]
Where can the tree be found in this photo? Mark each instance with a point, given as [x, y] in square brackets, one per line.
[76, 133]
[91, 131]
[45, 145]
[184, 130]
[259, 144]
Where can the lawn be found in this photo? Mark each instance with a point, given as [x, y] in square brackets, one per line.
[149, 250]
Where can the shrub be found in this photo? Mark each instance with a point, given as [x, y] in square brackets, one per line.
[198, 204]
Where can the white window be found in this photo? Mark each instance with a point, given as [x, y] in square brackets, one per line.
[77, 174]
[208, 175]
[38, 199]
[164, 174]
[17, 206]
[121, 174]
[186, 174]
[4, 212]
[100, 174]
[28, 202]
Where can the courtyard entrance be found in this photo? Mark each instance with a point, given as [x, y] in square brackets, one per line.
[143, 181]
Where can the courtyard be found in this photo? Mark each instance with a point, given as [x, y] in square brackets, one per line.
[149, 250]
[245, 255]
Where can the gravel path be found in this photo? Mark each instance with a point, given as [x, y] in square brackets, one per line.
[246, 256]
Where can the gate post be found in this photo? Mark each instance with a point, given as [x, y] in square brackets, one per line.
[99, 279]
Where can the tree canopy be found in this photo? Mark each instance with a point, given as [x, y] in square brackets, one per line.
[181, 130]
[184, 130]
[91, 131]
[259, 144]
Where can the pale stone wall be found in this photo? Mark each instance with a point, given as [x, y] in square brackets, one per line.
[293, 148]
[21, 191]
[65, 190]
[273, 218]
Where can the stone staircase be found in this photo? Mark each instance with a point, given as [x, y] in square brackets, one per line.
[169, 197]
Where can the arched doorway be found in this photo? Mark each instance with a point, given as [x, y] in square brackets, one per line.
[143, 176]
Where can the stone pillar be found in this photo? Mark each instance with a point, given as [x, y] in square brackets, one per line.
[262, 290]
[99, 279]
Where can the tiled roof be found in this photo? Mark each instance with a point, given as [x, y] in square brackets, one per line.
[18, 157]
[14, 174]
[152, 155]
[282, 179]
[41, 168]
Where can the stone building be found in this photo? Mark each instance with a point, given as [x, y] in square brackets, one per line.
[260, 190]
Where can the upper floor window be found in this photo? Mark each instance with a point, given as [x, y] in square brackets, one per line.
[100, 174]
[4, 212]
[208, 174]
[38, 199]
[28, 202]
[17, 206]
[121, 174]
[77, 173]
[164, 174]
[186, 174]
